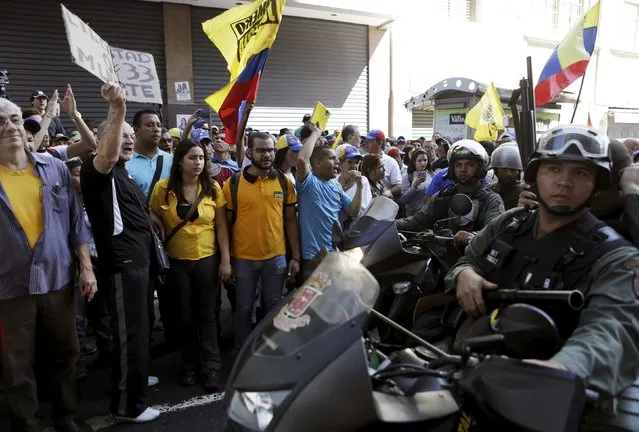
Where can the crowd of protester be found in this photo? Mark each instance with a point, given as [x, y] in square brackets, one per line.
[87, 213]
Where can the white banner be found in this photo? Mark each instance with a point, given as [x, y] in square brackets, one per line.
[138, 75]
[183, 91]
[88, 49]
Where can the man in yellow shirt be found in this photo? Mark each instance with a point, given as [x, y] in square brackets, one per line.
[258, 245]
[42, 225]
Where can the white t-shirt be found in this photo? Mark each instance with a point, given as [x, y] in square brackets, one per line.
[61, 150]
[367, 195]
[393, 175]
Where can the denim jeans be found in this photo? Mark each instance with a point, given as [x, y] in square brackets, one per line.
[272, 275]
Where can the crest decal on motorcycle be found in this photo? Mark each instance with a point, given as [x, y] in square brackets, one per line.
[293, 315]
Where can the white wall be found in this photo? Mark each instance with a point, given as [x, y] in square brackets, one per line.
[494, 48]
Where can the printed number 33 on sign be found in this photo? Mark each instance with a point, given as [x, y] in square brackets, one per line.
[134, 75]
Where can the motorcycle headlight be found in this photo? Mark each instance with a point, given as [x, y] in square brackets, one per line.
[254, 410]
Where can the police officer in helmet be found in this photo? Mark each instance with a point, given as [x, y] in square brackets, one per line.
[468, 164]
[506, 163]
[562, 246]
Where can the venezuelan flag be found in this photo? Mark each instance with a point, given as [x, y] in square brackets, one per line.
[231, 99]
[244, 36]
[569, 59]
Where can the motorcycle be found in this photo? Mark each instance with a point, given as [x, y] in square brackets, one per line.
[308, 366]
[408, 265]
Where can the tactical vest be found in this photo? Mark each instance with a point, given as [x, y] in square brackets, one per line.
[560, 260]
[442, 206]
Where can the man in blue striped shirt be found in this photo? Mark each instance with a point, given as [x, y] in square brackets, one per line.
[41, 226]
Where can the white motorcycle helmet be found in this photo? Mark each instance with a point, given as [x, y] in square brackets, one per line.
[467, 149]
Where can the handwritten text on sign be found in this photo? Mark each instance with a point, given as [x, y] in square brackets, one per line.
[138, 75]
[88, 49]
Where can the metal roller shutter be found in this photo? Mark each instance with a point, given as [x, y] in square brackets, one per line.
[311, 60]
[35, 51]
[423, 123]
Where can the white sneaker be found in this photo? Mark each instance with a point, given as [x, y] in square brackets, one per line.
[153, 381]
[146, 416]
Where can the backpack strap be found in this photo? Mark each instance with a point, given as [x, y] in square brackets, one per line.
[281, 177]
[156, 177]
[235, 183]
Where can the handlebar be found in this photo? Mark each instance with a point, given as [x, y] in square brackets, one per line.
[575, 299]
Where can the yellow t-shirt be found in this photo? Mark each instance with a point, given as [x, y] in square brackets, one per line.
[195, 240]
[23, 188]
[258, 231]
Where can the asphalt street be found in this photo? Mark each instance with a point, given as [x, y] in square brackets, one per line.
[189, 409]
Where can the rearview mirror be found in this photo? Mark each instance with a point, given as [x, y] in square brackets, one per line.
[519, 331]
[460, 205]
[337, 236]
[528, 332]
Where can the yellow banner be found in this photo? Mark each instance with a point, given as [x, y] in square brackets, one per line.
[320, 115]
[487, 117]
[243, 31]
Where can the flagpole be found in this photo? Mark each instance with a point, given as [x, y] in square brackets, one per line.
[239, 138]
[581, 86]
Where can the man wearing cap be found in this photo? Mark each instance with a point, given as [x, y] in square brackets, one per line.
[376, 141]
[287, 148]
[203, 138]
[349, 159]
[397, 155]
[166, 141]
[175, 134]
[39, 102]
[401, 142]
[60, 139]
[305, 122]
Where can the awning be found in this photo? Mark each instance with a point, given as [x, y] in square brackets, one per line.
[461, 86]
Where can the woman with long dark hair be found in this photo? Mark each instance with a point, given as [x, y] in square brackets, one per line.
[415, 182]
[373, 169]
[193, 209]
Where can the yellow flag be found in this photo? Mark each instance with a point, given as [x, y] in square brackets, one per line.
[243, 31]
[487, 117]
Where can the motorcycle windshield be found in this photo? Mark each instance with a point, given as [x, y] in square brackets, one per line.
[367, 228]
[339, 290]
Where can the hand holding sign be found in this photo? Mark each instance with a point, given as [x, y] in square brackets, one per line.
[52, 105]
[114, 95]
[320, 115]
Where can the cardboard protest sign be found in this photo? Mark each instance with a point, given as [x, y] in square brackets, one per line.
[88, 49]
[138, 75]
[320, 115]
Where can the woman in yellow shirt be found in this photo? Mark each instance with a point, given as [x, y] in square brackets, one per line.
[196, 263]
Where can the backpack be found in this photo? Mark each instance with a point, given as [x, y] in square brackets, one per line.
[235, 183]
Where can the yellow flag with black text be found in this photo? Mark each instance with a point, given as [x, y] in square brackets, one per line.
[487, 117]
[243, 31]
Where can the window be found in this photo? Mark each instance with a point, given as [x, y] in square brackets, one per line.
[630, 29]
[557, 16]
[454, 10]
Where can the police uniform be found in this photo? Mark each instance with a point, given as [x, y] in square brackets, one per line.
[508, 194]
[602, 341]
[489, 206]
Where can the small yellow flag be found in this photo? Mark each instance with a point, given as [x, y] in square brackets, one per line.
[337, 140]
[320, 115]
[487, 117]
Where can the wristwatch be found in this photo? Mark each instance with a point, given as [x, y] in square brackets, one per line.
[77, 115]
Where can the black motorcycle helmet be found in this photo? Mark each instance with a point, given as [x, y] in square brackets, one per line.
[572, 143]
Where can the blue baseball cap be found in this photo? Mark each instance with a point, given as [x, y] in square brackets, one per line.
[290, 141]
[198, 135]
[348, 151]
[635, 155]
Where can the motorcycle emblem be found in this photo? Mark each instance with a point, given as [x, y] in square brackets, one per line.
[293, 315]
